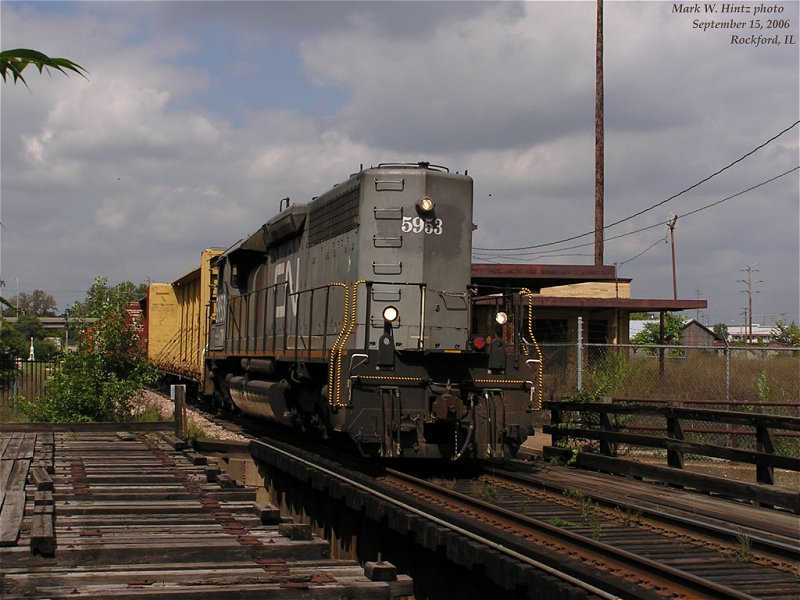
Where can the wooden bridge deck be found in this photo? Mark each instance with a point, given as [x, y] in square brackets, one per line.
[124, 514]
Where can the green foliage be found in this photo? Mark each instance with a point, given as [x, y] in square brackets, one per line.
[787, 335]
[98, 381]
[83, 389]
[14, 62]
[101, 297]
[37, 303]
[195, 432]
[588, 511]
[721, 331]
[11, 341]
[489, 492]
[15, 339]
[744, 548]
[651, 334]
[764, 391]
[562, 523]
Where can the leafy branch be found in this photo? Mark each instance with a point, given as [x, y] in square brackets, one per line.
[14, 62]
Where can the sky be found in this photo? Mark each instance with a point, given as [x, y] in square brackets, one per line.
[196, 118]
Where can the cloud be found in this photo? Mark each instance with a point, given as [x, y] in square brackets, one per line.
[197, 119]
[471, 85]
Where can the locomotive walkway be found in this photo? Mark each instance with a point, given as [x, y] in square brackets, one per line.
[94, 512]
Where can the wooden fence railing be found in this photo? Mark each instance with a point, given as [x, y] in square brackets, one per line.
[599, 421]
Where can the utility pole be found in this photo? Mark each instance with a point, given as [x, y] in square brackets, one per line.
[599, 150]
[749, 291]
[671, 225]
[697, 296]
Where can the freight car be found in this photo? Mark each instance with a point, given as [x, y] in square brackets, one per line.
[176, 318]
[353, 316]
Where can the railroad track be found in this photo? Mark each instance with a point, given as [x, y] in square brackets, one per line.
[606, 545]
[666, 562]
[767, 536]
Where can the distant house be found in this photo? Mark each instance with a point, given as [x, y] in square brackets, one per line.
[694, 333]
[761, 334]
[697, 334]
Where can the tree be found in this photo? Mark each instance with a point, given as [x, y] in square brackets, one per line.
[98, 381]
[16, 339]
[673, 331]
[721, 331]
[14, 62]
[37, 303]
[787, 335]
[101, 294]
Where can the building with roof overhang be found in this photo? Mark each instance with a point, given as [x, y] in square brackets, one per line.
[564, 293]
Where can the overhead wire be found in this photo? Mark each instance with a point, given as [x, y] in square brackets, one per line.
[707, 206]
[551, 253]
[656, 205]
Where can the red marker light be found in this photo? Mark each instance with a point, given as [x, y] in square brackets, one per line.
[478, 343]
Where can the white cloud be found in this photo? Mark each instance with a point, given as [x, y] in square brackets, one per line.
[131, 173]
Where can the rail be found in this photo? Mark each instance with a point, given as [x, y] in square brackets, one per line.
[600, 422]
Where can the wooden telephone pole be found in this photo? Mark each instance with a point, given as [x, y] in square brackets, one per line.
[599, 151]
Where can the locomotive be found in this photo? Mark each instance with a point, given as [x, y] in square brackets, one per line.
[352, 316]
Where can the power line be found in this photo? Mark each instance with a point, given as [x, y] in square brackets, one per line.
[530, 255]
[656, 205]
[653, 245]
[702, 208]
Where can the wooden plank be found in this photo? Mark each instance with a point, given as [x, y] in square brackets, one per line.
[27, 446]
[12, 448]
[17, 475]
[5, 438]
[43, 540]
[43, 498]
[124, 520]
[41, 479]
[11, 517]
[694, 414]
[751, 492]
[175, 442]
[86, 427]
[5, 472]
[195, 458]
[665, 443]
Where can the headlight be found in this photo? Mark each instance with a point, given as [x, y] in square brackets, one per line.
[425, 204]
[390, 314]
[501, 318]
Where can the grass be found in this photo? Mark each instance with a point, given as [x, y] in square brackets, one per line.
[751, 377]
[489, 492]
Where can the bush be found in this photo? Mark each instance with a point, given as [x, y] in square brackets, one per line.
[98, 381]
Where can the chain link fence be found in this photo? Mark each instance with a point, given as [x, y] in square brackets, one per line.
[737, 378]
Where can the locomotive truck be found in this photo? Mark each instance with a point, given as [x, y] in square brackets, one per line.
[353, 316]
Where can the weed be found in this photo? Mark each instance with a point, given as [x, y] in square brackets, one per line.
[489, 492]
[149, 414]
[744, 547]
[195, 432]
[629, 516]
[588, 511]
[559, 522]
[762, 385]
